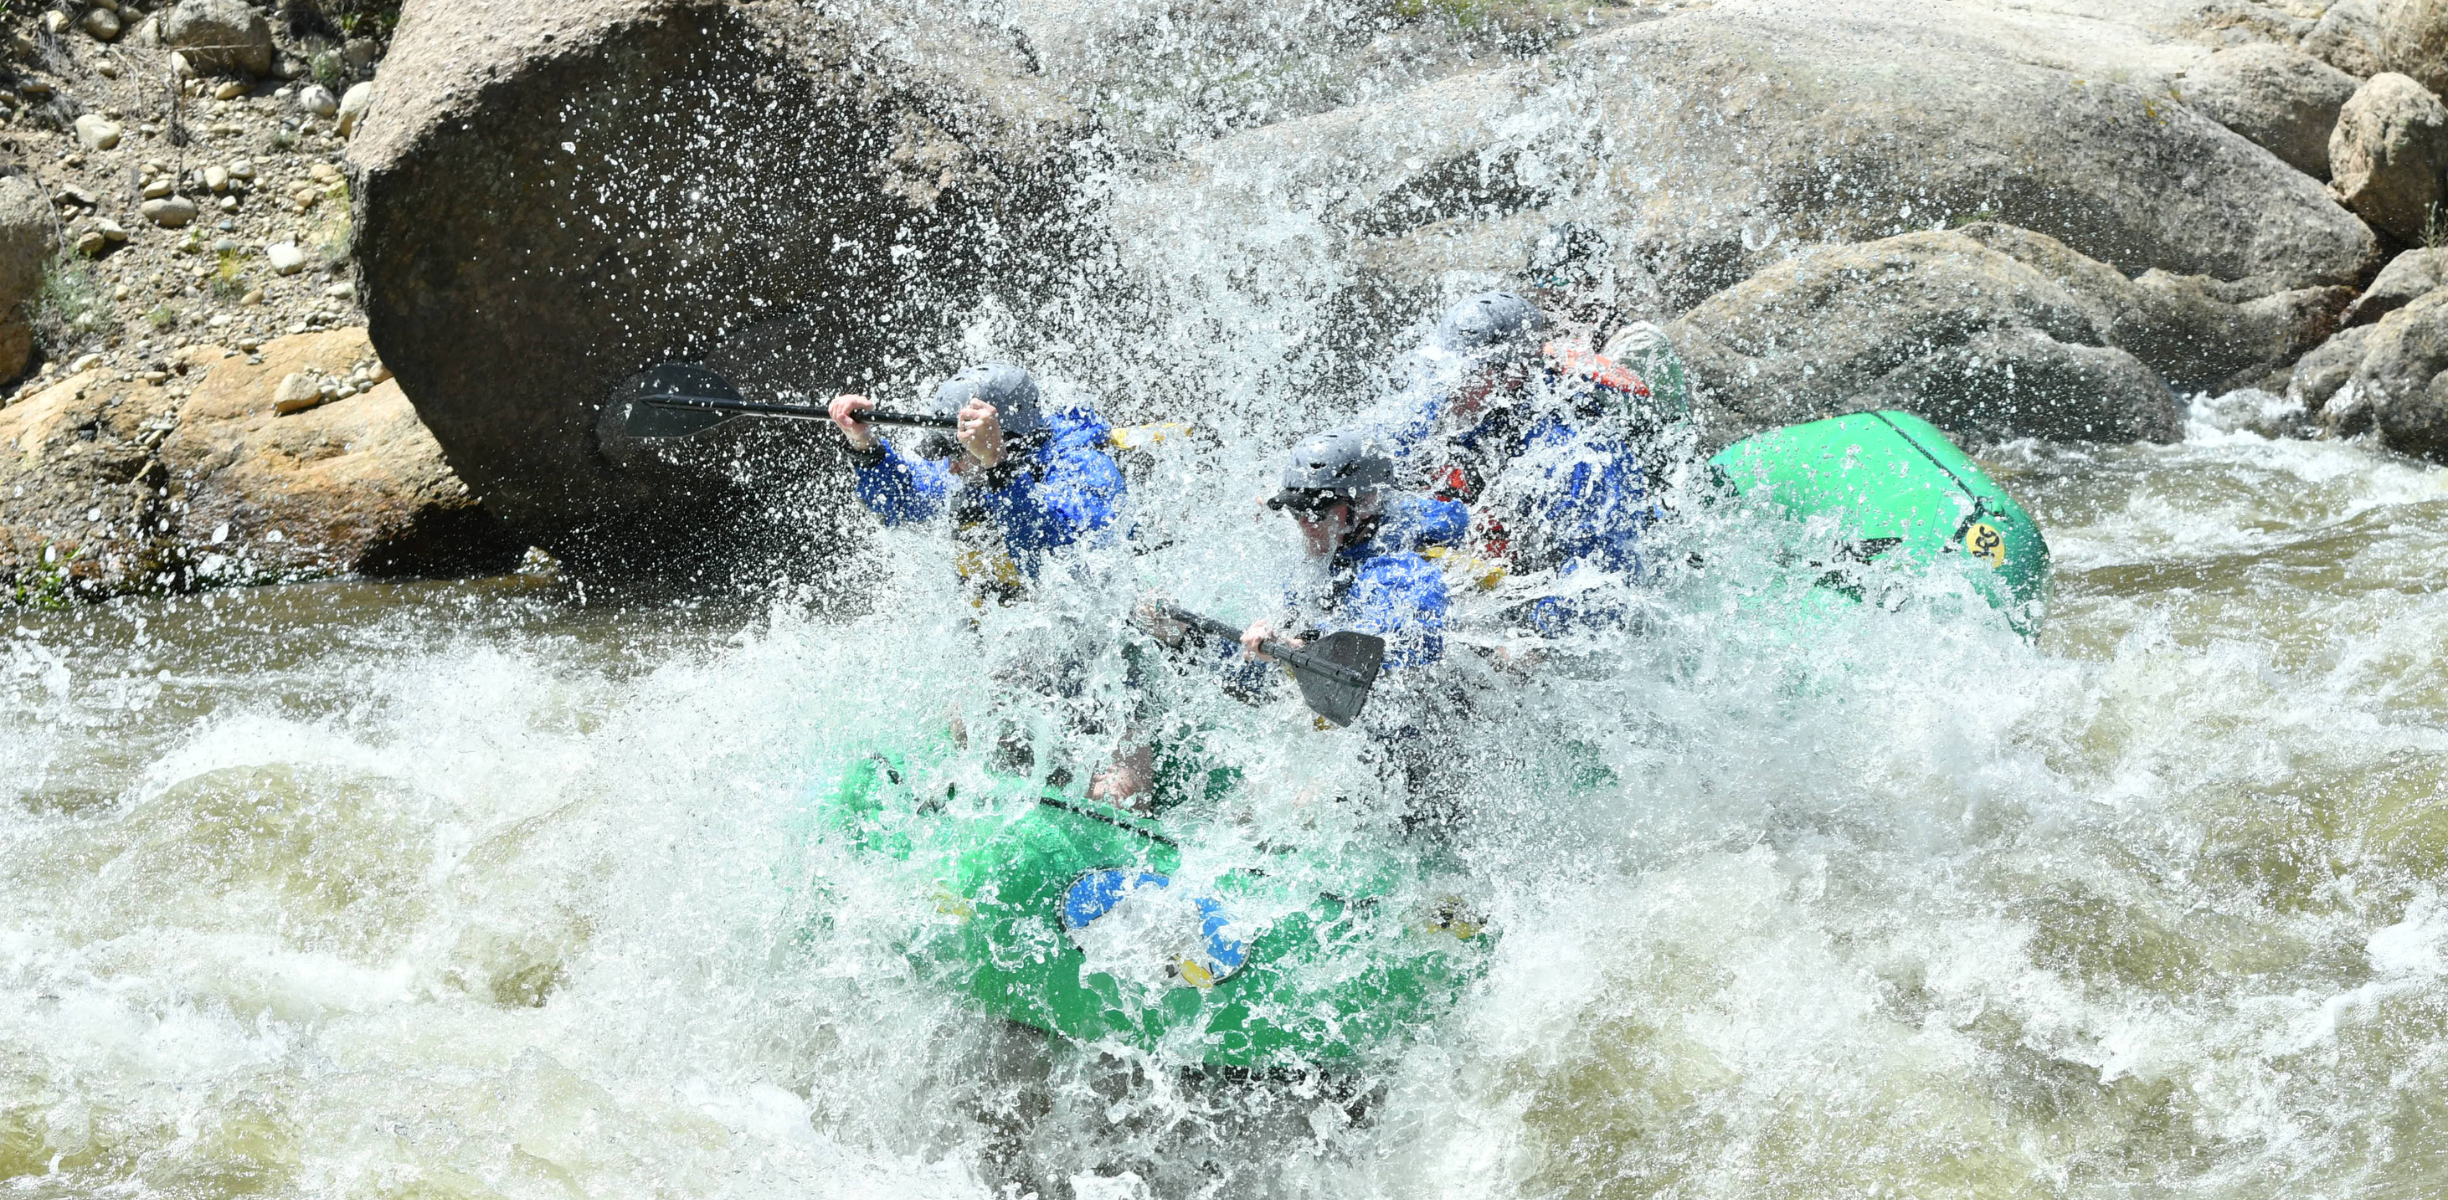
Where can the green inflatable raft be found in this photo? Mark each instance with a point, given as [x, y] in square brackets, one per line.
[1070, 915]
[1890, 489]
[1085, 920]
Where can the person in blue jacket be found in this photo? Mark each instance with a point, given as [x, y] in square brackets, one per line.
[1543, 442]
[1018, 482]
[1363, 539]
[1367, 537]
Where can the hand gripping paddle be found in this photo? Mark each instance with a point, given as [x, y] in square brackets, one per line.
[678, 399]
[1335, 672]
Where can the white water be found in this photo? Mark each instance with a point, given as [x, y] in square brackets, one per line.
[468, 890]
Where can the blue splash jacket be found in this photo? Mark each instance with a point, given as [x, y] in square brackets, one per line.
[1061, 492]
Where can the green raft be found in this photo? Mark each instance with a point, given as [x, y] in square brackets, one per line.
[1306, 956]
[1296, 957]
[1897, 492]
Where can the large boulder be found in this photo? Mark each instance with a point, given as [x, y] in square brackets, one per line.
[2400, 388]
[2412, 39]
[2388, 156]
[2196, 333]
[2406, 278]
[2348, 37]
[1714, 141]
[114, 486]
[218, 35]
[2320, 375]
[2280, 99]
[1934, 323]
[551, 196]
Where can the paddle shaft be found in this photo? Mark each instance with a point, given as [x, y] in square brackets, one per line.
[1284, 652]
[873, 416]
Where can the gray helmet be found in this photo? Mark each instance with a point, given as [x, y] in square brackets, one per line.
[1008, 388]
[1342, 465]
[1490, 327]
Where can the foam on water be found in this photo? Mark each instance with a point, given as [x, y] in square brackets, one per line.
[467, 890]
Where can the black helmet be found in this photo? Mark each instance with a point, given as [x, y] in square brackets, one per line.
[1008, 388]
[1490, 327]
[1327, 467]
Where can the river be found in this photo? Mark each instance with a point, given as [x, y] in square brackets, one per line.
[487, 889]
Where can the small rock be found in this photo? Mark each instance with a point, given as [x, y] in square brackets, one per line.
[353, 106]
[180, 67]
[111, 229]
[101, 24]
[84, 364]
[220, 35]
[120, 292]
[229, 204]
[291, 67]
[159, 186]
[33, 87]
[378, 373]
[324, 172]
[216, 178]
[250, 300]
[360, 53]
[340, 291]
[169, 212]
[73, 196]
[55, 21]
[107, 69]
[243, 169]
[298, 391]
[315, 99]
[95, 132]
[91, 243]
[286, 258]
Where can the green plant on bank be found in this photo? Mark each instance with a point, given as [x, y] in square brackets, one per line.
[164, 316]
[68, 307]
[331, 239]
[46, 584]
[228, 279]
[2435, 231]
[328, 70]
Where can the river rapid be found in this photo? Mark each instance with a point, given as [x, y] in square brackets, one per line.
[491, 888]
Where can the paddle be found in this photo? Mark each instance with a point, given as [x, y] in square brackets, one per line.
[1335, 672]
[678, 399]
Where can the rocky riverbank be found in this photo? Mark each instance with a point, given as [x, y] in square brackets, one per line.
[2051, 221]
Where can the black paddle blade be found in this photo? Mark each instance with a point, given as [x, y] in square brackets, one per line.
[1336, 700]
[672, 379]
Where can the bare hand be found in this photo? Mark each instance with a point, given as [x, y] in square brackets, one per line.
[1260, 631]
[861, 434]
[981, 432]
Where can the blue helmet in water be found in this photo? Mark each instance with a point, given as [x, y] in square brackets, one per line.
[1010, 389]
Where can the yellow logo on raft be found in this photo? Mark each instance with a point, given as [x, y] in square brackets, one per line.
[1982, 540]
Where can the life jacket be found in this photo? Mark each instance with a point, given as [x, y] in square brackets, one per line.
[1489, 555]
